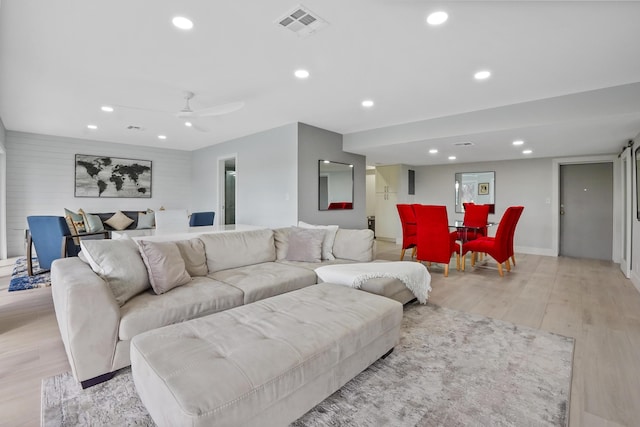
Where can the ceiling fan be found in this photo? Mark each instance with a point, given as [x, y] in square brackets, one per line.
[189, 115]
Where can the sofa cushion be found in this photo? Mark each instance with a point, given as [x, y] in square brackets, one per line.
[281, 238]
[260, 281]
[194, 257]
[355, 245]
[305, 244]
[118, 262]
[92, 223]
[313, 265]
[329, 237]
[201, 297]
[119, 221]
[237, 249]
[164, 264]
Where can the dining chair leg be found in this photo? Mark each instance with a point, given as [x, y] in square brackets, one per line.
[500, 270]
[464, 261]
[473, 259]
[508, 264]
[402, 254]
[413, 252]
[513, 260]
[458, 261]
[446, 270]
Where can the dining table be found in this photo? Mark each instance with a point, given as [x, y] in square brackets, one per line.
[464, 229]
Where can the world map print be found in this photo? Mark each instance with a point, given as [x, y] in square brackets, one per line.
[101, 176]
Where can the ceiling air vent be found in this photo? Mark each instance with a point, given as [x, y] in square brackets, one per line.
[463, 144]
[136, 128]
[302, 21]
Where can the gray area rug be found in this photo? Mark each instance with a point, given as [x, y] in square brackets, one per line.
[450, 369]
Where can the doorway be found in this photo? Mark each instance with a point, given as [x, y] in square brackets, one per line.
[586, 210]
[227, 200]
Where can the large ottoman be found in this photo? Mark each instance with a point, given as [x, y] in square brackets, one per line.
[266, 363]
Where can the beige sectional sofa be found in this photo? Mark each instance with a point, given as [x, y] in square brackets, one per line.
[99, 314]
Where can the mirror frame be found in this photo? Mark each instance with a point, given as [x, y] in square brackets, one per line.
[483, 190]
[335, 205]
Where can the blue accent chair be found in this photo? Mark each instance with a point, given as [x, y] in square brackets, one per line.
[52, 239]
[199, 219]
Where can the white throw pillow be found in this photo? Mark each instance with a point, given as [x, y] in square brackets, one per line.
[329, 237]
[118, 262]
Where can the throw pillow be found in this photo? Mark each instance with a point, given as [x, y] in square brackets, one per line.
[75, 221]
[118, 262]
[164, 264]
[305, 244]
[330, 237]
[92, 223]
[119, 221]
[146, 220]
[194, 256]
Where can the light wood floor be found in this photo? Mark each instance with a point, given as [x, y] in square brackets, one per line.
[588, 300]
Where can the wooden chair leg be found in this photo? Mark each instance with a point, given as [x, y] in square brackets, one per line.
[500, 270]
[29, 255]
[413, 252]
[473, 259]
[508, 264]
[513, 260]
[402, 254]
[464, 261]
[446, 270]
[458, 261]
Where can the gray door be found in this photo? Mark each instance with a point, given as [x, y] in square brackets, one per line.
[230, 191]
[586, 210]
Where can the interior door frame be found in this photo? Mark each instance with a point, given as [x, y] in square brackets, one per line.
[616, 250]
[627, 177]
[220, 216]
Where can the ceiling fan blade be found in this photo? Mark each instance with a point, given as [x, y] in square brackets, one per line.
[199, 128]
[220, 109]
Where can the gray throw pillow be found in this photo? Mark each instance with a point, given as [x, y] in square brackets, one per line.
[305, 244]
[165, 265]
[146, 220]
[194, 256]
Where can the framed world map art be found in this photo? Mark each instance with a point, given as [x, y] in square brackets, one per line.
[103, 176]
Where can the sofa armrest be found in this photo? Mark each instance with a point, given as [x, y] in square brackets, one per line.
[88, 317]
[355, 245]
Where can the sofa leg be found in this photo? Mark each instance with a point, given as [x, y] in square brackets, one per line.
[97, 380]
[384, 356]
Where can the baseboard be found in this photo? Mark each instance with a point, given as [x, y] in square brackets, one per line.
[635, 279]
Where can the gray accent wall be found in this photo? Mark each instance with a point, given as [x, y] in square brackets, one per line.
[518, 182]
[266, 177]
[41, 175]
[319, 144]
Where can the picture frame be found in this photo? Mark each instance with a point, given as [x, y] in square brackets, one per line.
[483, 188]
[106, 176]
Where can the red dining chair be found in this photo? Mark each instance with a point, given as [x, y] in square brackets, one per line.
[519, 210]
[435, 242]
[500, 246]
[474, 216]
[409, 229]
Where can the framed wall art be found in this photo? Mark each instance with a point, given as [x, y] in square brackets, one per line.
[104, 176]
[483, 188]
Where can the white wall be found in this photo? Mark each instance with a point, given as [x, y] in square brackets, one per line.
[518, 182]
[635, 223]
[3, 191]
[40, 179]
[266, 176]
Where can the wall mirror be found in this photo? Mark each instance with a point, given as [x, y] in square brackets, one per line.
[335, 185]
[475, 187]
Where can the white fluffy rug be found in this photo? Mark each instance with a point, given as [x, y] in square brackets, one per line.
[450, 369]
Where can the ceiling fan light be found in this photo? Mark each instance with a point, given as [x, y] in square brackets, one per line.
[437, 18]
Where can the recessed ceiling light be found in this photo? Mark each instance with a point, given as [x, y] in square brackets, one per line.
[518, 142]
[188, 124]
[437, 18]
[367, 103]
[182, 22]
[452, 157]
[433, 151]
[92, 127]
[301, 74]
[482, 75]
[162, 136]
[107, 109]
[527, 152]
[350, 166]
[326, 161]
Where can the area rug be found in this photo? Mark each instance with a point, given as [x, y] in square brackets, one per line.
[20, 280]
[450, 369]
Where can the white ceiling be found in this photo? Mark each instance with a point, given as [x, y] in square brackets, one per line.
[566, 75]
